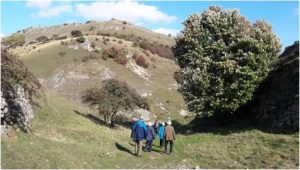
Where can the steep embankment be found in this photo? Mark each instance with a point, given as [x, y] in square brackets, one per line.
[17, 87]
[276, 103]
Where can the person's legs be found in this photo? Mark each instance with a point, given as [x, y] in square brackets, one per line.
[140, 148]
[166, 145]
[150, 145]
[160, 142]
[147, 145]
[136, 147]
[171, 146]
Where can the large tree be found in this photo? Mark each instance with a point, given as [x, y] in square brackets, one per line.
[223, 57]
[112, 97]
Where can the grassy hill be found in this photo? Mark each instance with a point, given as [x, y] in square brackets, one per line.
[62, 69]
[63, 136]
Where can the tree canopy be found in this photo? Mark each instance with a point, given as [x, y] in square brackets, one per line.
[223, 57]
[112, 97]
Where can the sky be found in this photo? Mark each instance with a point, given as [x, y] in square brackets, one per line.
[160, 16]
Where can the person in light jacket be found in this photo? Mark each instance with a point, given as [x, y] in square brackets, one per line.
[150, 137]
[169, 137]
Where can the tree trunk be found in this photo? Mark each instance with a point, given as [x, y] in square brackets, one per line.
[112, 121]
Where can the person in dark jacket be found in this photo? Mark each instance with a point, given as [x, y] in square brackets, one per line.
[169, 137]
[139, 134]
[156, 125]
[150, 137]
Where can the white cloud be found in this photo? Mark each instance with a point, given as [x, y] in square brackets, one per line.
[2, 35]
[125, 10]
[53, 11]
[38, 3]
[167, 31]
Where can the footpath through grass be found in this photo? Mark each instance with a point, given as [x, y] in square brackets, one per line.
[62, 137]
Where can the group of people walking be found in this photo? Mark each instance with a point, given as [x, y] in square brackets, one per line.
[147, 132]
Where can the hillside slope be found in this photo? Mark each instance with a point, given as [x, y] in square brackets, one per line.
[70, 67]
[63, 136]
[113, 27]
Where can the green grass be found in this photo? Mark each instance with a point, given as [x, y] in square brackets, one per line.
[61, 138]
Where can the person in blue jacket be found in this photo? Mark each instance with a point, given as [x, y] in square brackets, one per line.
[139, 133]
[161, 134]
[150, 137]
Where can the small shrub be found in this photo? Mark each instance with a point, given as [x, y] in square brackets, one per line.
[98, 33]
[62, 53]
[120, 41]
[104, 56]
[114, 40]
[121, 59]
[42, 39]
[80, 39]
[14, 40]
[140, 60]
[124, 22]
[85, 59]
[93, 44]
[55, 36]
[87, 22]
[65, 24]
[76, 33]
[88, 57]
[62, 37]
[96, 39]
[34, 47]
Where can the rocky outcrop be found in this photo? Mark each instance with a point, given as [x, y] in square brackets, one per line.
[18, 85]
[276, 102]
[16, 109]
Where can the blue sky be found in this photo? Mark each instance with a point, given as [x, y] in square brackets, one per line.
[164, 17]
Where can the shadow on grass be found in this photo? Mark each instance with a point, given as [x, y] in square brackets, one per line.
[92, 118]
[213, 125]
[96, 120]
[124, 149]
[222, 125]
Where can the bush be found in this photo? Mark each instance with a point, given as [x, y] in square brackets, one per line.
[14, 40]
[120, 41]
[55, 36]
[62, 53]
[158, 49]
[98, 33]
[91, 28]
[96, 39]
[62, 37]
[93, 44]
[76, 33]
[42, 39]
[124, 22]
[121, 60]
[80, 39]
[88, 57]
[114, 96]
[140, 60]
[222, 63]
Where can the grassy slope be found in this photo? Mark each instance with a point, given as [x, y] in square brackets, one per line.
[44, 61]
[61, 138]
[111, 27]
